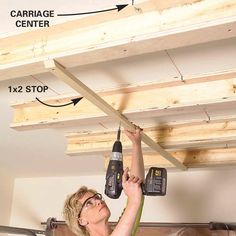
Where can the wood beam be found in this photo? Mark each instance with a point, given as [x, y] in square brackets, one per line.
[194, 99]
[148, 28]
[163, 5]
[190, 158]
[60, 72]
[199, 136]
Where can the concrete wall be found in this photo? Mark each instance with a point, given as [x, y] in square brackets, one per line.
[193, 196]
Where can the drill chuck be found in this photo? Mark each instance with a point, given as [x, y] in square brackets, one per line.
[117, 147]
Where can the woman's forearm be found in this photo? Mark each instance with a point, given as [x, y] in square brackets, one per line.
[137, 165]
[126, 223]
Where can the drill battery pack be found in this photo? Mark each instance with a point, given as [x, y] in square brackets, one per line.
[155, 182]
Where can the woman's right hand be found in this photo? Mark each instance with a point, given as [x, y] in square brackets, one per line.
[132, 187]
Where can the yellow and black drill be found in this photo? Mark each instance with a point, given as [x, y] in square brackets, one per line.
[113, 187]
[155, 181]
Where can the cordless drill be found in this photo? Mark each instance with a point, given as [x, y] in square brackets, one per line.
[155, 181]
[113, 187]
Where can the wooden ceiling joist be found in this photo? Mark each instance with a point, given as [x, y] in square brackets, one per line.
[148, 27]
[190, 158]
[60, 72]
[199, 136]
[188, 98]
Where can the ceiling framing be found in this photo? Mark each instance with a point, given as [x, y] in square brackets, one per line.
[194, 120]
[103, 37]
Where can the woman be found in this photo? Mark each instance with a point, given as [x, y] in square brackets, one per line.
[86, 213]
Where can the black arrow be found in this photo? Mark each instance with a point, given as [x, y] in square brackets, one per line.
[118, 8]
[73, 101]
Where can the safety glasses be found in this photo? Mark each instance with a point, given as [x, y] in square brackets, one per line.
[90, 202]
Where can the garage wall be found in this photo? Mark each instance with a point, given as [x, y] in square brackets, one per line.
[193, 196]
[6, 193]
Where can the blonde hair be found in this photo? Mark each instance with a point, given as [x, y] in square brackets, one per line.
[72, 207]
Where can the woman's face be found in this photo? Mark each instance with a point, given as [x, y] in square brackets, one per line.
[94, 209]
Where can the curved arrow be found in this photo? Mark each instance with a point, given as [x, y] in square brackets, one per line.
[118, 8]
[73, 101]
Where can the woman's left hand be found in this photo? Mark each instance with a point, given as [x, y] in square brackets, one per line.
[134, 136]
[132, 187]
